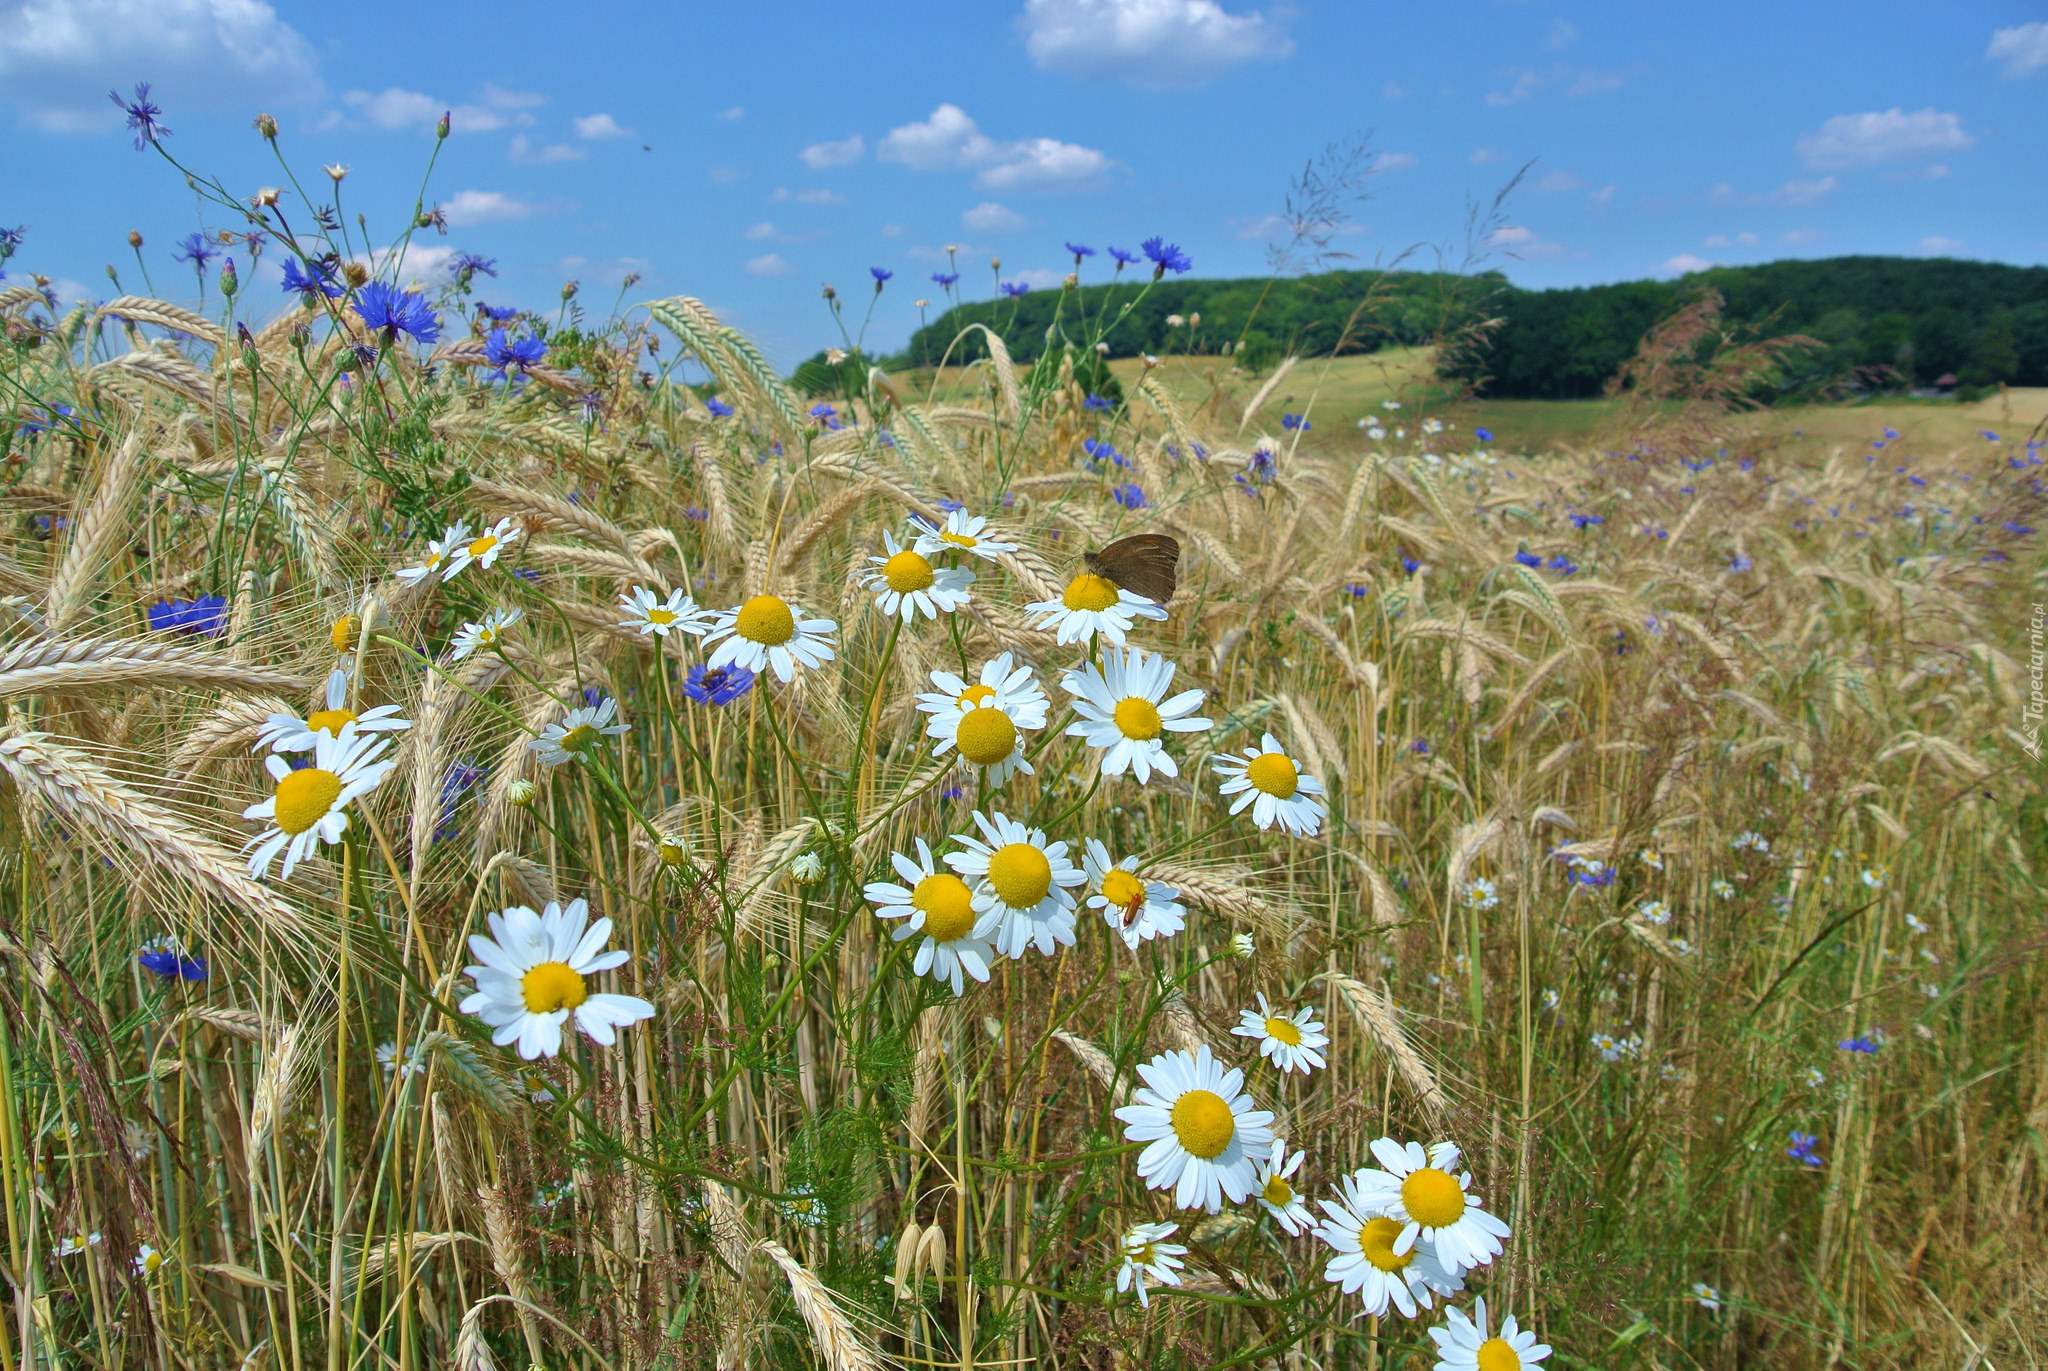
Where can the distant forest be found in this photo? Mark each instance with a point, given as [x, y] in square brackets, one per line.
[1883, 321]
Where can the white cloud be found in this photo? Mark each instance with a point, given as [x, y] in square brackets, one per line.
[423, 262]
[1039, 278]
[1850, 140]
[1524, 244]
[728, 115]
[1794, 192]
[1393, 161]
[1933, 171]
[1722, 240]
[1483, 157]
[1800, 238]
[1561, 35]
[2022, 50]
[892, 230]
[1561, 180]
[485, 207]
[1941, 247]
[769, 264]
[762, 230]
[1603, 197]
[990, 217]
[1157, 44]
[950, 140]
[597, 127]
[725, 176]
[1574, 81]
[819, 156]
[817, 195]
[524, 152]
[1266, 226]
[1393, 90]
[397, 108]
[1684, 264]
[59, 57]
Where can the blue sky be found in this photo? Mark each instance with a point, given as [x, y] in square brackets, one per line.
[746, 154]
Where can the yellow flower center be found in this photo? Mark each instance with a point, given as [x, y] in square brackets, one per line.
[551, 986]
[304, 797]
[487, 635]
[1123, 890]
[976, 694]
[1285, 1030]
[960, 539]
[1137, 718]
[1274, 773]
[1021, 875]
[986, 735]
[672, 852]
[1377, 1240]
[329, 721]
[766, 620]
[151, 1262]
[579, 738]
[346, 633]
[948, 906]
[1089, 591]
[483, 545]
[907, 571]
[661, 616]
[1433, 1198]
[1203, 1123]
[1278, 1192]
[1496, 1355]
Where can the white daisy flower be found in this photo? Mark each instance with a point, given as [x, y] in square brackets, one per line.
[387, 1057]
[1430, 1200]
[1021, 879]
[1202, 1128]
[72, 1246]
[1292, 1044]
[484, 635]
[483, 549]
[1124, 708]
[939, 905]
[907, 584]
[147, 1259]
[533, 979]
[439, 551]
[310, 805]
[1003, 683]
[649, 613]
[1276, 787]
[1462, 1344]
[1273, 1176]
[1366, 1263]
[1136, 908]
[765, 631]
[962, 531]
[1707, 1295]
[1093, 604]
[1147, 1256]
[290, 733]
[575, 733]
[989, 736]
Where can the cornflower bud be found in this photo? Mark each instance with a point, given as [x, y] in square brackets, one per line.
[266, 126]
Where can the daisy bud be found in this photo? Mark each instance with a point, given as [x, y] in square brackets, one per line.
[808, 869]
[266, 126]
[336, 172]
[521, 793]
[134, 239]
[1241, 945]
[346, 633]
[920, 303]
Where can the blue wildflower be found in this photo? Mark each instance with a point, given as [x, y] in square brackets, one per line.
[1529, 559]
[593, 696]
[1410, 565]
[10, 242]
[463, 776]
[946, 279]
[1802, 1147]
[1095, 401]
[464, 265]
[1123, 258]
[195, 249]
[1079, 252]
[498, 314]
[696, 514]
[1564, 564]
[1738, 563]
[1484, 435]
[142, 115]
[1862, 1042]
[2018, 530]
[521, 353]
[1356, 590]
[167, 958]
[206, 615]
[392, 311]
[1586, 521]
[948, 506]
[43, 420]
[1129, 496]
[1295, 421]
[1420, 747]
[320, 281]
[1016, 289]
[952, 792]
[880, 274]
[1166, 257]
[526, 573]
[718, 685]
[1987, 435]
[1892, 434]
[719, 408]
[1696, 467]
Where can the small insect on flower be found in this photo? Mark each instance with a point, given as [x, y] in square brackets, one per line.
[575, 733]
[1021, 878]
[1430, 1199]
[486, 635]
[1462, 1343]
[1138, 909]
[289, 733]
[766, 632]
[1093, 604]
[1290, 1043]
[533, 979]
[717, 686]
[310, 804]
[648, 613]
[939, 905]
[1273, 1174]
[1274, 786]
[1202, 1127]
[905, 583]
[1147, 1256]
[1124, 708]
[483, 550]
[439, 551]
[1366, 1263]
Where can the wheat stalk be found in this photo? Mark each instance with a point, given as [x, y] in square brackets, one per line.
[48, 665]
[1377, 1016]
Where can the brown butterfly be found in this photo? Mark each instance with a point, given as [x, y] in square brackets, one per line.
[1143, 563]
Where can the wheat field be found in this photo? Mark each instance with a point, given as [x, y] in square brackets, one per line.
[1656, 822]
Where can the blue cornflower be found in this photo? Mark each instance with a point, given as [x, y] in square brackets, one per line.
[2017, 529]
[1295, 421]
[195, 249]
[166, 957]
[1095, 401]
[1079, 252]
[696, 514]
[948, 506]
[593, 696]
[1920, 481]
[385, 307]
[1862, 1042]
[880, 274]
[718, 407]
[1100, 452]
[1529, 559]
[521, 353]
[826, 415]
[952, 792]
[43, 420]
[1595, 875]
[1410, 565]
[1129, 496]
[207, 615]
[1262, 468]
[1892, 434]
[1738, 563]
[1696, 467]
[1585, 521]
[142, 115]
[1123, 258]
[719, 685]
[946, 279]
[1166, 257]
[1484, 435]
[463, 776]
[1420, 747]
[320, 281]
[1016, 289]
[1564, 564]
[497, 314]
[1356, 590]
[10, 242]
[1987, 435]
[1802, 1147]
[464, 265]
[526, 573]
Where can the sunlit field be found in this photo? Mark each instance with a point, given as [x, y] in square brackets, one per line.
[526, 842]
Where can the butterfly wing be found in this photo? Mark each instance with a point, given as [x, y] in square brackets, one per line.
[1144, 563]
